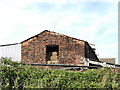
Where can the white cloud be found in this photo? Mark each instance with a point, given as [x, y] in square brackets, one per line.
[108, 51]
[98, 22]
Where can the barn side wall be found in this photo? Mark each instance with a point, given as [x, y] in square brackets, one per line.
[70, 50]
[13, 51]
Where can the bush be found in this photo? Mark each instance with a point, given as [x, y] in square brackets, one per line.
[17, 75]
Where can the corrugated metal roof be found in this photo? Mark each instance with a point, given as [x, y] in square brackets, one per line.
[11, 50]
[9, 44]
[108, 60]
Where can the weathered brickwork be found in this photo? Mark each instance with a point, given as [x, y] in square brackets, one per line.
[70, 50]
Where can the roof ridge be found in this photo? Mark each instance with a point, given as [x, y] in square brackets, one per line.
[67, 36]
[52, 32]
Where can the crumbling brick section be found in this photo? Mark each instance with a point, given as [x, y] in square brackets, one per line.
[90, 53]
[70, 50]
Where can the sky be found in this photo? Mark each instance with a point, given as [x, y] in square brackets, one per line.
[95, 21]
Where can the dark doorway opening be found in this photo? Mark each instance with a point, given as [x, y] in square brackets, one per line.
[52, 53]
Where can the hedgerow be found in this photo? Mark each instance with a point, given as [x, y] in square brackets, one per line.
[17, 75]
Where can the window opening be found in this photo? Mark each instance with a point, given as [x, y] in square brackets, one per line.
[52, 53]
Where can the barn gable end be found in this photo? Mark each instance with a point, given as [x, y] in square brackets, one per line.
[54, 48]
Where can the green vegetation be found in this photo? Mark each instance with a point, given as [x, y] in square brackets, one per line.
[15, 75]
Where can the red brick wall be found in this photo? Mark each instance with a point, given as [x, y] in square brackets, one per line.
[70, 51]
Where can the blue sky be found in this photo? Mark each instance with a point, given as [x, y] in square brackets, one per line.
[95, 21]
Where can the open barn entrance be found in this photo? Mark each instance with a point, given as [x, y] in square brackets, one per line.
[52, 52]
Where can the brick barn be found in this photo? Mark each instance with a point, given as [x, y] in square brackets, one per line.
[54, 48]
